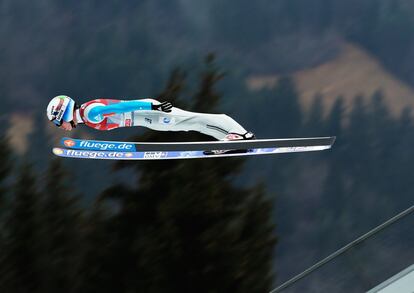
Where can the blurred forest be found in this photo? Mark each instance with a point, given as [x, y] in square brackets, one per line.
[232, 225]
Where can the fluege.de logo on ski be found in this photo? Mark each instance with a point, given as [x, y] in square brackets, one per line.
[103, 146]
[69, 143]
[94, 154]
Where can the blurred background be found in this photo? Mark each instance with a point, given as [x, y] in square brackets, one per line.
[282, 68]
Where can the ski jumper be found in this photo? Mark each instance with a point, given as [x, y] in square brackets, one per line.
[107, 114]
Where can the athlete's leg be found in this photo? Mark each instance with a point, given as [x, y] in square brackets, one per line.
[215, 125]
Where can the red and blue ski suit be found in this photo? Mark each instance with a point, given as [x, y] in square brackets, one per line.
[107, 114]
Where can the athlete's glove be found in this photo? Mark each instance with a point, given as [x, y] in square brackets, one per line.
[164, 107]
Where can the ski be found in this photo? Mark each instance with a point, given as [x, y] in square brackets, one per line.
[300, 144]
[169, 155]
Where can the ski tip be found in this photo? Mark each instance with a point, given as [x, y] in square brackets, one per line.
[57, 151]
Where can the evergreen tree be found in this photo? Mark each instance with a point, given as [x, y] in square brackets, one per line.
[20, 263]
[383, 137]
[187, 228]
[5, 165]
[283, 110]
[334, 196]
[334, 193]
[357, 137]
[5, 170]
[314, 123]
[402, 185]
[60, 220]
[99, 264]
[209, 77]
[335, 119]
[175, 85]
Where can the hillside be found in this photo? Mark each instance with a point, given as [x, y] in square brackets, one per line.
[354, 72]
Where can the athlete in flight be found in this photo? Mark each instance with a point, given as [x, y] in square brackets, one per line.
[107, 114]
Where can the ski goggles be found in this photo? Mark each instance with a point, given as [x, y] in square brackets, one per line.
[61, 112]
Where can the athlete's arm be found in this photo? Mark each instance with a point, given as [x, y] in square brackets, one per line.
[129, 106]
[121, 107]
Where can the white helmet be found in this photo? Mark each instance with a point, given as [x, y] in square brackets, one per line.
[60, 109]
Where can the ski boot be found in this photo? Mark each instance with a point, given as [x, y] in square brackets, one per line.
[232, 137]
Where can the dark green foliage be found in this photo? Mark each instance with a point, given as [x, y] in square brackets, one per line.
[175, 85]
[315, 120]
[5, 169]
[20, 258]
[335, 118]
[187, 228]
[278, 113]
[59, 231]
[287, 102]
[99, 266]
[206, 99]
